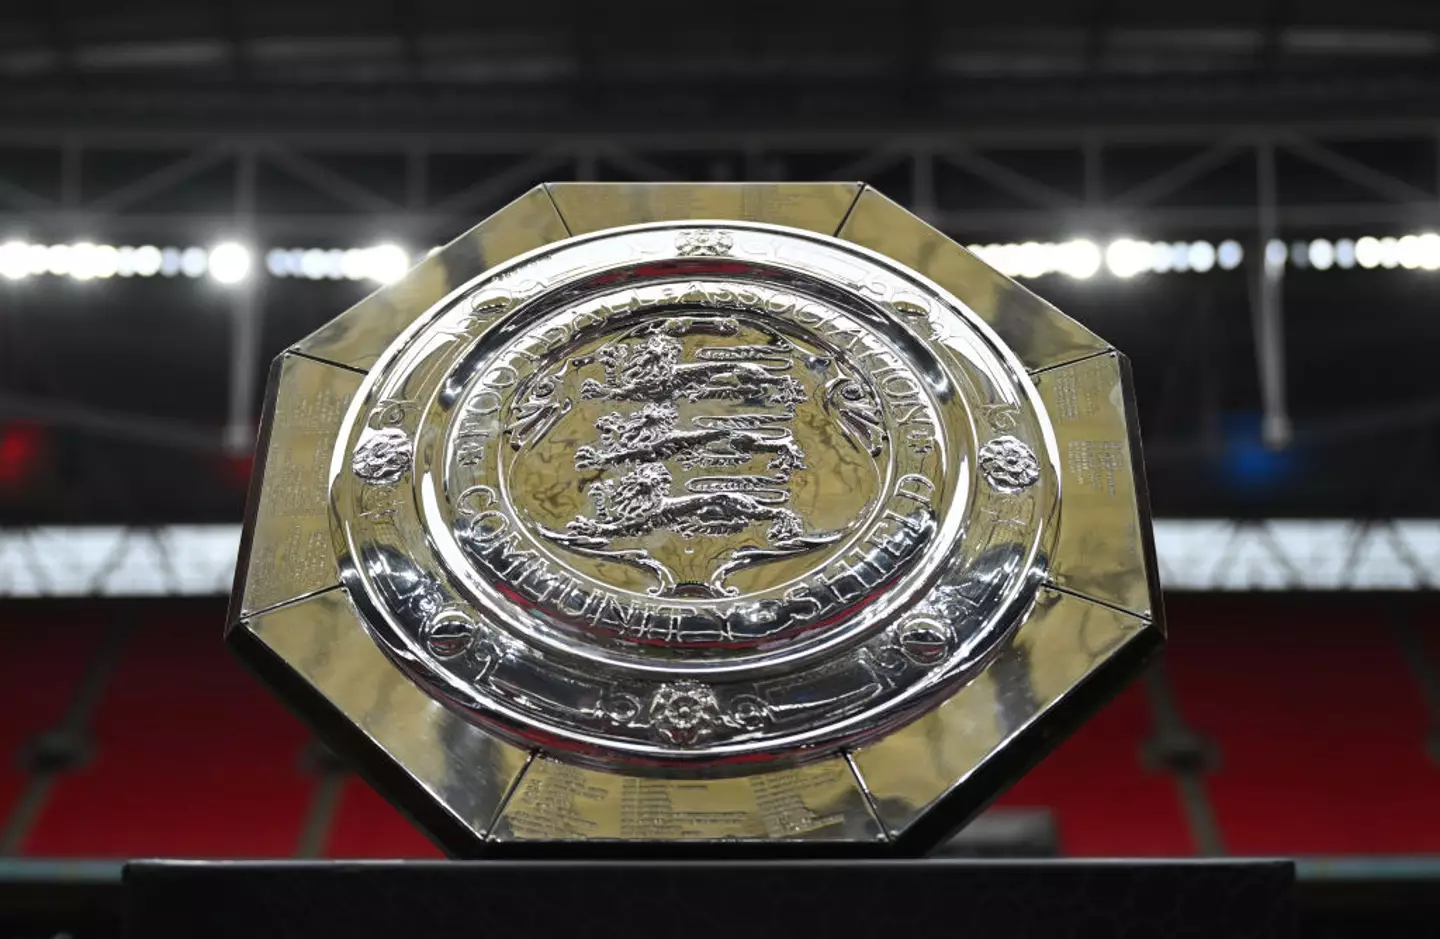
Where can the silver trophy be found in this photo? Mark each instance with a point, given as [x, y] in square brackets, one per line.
[697, 515]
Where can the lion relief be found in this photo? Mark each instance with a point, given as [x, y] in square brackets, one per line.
[650, 434]
[652, 371]
[640, 502]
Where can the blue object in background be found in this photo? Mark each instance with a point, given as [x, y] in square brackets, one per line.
[1247, 461]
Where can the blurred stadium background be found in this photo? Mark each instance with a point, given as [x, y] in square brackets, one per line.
[1244, 197]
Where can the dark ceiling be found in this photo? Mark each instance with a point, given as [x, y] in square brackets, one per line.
[574, 62]
[485, 100]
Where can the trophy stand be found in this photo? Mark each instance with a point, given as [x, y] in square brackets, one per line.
[702, 899]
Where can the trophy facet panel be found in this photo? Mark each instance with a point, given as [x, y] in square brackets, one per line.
[1065, 642]
[358, 336]
[692, 517]
[288, 551]
[591, 207]
[1104, 550]
[1038, 333]
[454, 762]
[819, 801]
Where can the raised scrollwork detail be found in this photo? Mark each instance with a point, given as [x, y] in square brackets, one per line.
[921, 642]
[703, 242]
[748, 712]
[449, 635]
[859, 413]
[1009, 464]
[924, 642]
[382, 456]
[619, 708]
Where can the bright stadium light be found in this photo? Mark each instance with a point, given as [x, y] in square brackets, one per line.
[38, 257]
[82, 260]
[1367, 252]
[1079, 258]
[1408, 251]
[1032, 259]
[1201, 256]
[14, 260]
[280, 262]
[1389, 252]
[1126, 258]
[387, 263]
[312, 263]
[1429, 251]
[57, 260]
[229, 262]
[1275, 255]
[147, 260]
[353, 263]
[104, 261]
[1006, 259]
[1162, 257]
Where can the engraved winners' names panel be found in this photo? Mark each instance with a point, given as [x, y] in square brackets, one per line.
[291, 552]
[559, 802]
[1100, 553]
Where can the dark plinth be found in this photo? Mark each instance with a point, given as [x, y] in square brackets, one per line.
[701, 900]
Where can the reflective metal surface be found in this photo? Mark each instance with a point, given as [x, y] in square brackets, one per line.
[660, 514]
[463, 768]
[287, 550]
[816, 802]
[358, 336]
[691, 494]
[1040, 335]
[1063, 642]
[1105, 550]
[815, 207]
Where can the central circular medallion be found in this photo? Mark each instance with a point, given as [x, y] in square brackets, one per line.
[685, 478]
[698, 455]
[673, 493]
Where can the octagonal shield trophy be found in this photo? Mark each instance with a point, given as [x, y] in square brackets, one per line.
[697, 517]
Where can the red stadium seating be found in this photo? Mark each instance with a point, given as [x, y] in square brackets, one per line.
[42, 659]
[1103, 799]
[193, 758]
[1317, 721]
[1319, 724]
[366, 826]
